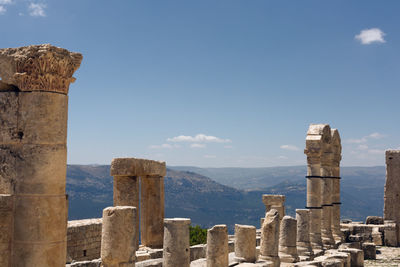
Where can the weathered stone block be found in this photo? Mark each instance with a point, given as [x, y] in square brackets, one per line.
[374, 220]
[369, 251]
[36, 254]
[137, 167]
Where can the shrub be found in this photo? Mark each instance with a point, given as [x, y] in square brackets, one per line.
[198, 235]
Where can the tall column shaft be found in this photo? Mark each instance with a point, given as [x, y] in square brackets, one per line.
[126, 193]
[6, 228]
[269, 246]
[151, 211]
[217, 246]
[303, 233]
[337, 150]
[287, 240]
[245, 243]
[33, 153]
[391, 210]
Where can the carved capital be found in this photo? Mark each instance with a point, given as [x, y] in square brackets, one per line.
[39, 68]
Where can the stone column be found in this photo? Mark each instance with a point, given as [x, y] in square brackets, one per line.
[217, 246]
[287, 240]
[391, 210]
[176, 250]
[336, 150]
[313, 151]
[33, 152]
[276, 202]
[326, 191]
[303, 234]
[118, 236]
[126, 172]
[6, 229]
[245, 243]
[269, 247]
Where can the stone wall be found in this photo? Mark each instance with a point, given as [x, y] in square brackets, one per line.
[84, 239]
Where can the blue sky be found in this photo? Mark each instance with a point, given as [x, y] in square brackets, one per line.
[221, 83]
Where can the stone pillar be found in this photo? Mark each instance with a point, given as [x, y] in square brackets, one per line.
[326, 191]
[391, 210]
[313, 150]
[126, 191]
[287, 240]
[269, 247]
[245, 243]
[6, 229]
[336, 150]
[276, 202]
[303, 234]
[217, 246]
[33, 152]
[118, 236]
[176, 250]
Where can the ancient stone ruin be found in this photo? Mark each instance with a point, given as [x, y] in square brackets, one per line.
[33, 205]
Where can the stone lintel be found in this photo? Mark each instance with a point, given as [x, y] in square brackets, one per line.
[273, 199]
[392, 154]
[38, 68]
[137, 167]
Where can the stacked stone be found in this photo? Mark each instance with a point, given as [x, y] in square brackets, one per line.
[33, 152]
[276, 202]
[269, 247]
[6, 225]
[337, 157]
[314, 149]
[287, 240]
[245, 243]
[304, 248]
[118, 236]
[326, 191]
[217, 246]
[391, 209]
[176, 250]
[126, 172]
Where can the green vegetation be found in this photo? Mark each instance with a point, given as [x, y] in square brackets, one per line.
[198, 235]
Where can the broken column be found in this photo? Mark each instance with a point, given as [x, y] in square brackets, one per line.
[217, 246]
[303, 233]
[313, 150]
[269, 247]
[276, 202]
[245, 243]
[287, 240]
[326, 191]
[176, 251]
[118, 236]
[126, 172]
[391, 209]
[33, 152]
[337, 157]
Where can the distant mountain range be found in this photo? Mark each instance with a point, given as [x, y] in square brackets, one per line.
[211, 196]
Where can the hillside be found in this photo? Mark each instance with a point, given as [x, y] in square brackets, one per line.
[206, 202]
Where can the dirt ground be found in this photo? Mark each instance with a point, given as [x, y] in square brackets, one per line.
[385, 257]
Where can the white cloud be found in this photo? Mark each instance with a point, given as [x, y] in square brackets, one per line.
[290, 147]
[2, 10]
[376, 151]
[163, 146]
[199, 138]
[5, 2]
[282, 157]
[37, 10]
[357, 141]
[228, 146]
[197, 145]
[209, 156]
[376, 136]
[365, 138]
[362, 147]
[369, 36]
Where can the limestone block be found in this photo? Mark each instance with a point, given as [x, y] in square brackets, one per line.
[343, 256]
[176, 242]
[287, 240]
[6, 226]
[217, 246]
[142, 256]
[118, 236]
[274, 202]
[39, 67]
[197, 252]
[39, 254]
[269, 247]
[376, 237]
[137, 167]
[357, 256]
[374, 220]
[303, 233]
[332, 263]
[150, 263]
[8, 117]
[42, 222]
[231, 246]
[245, 243]
[369, 251]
